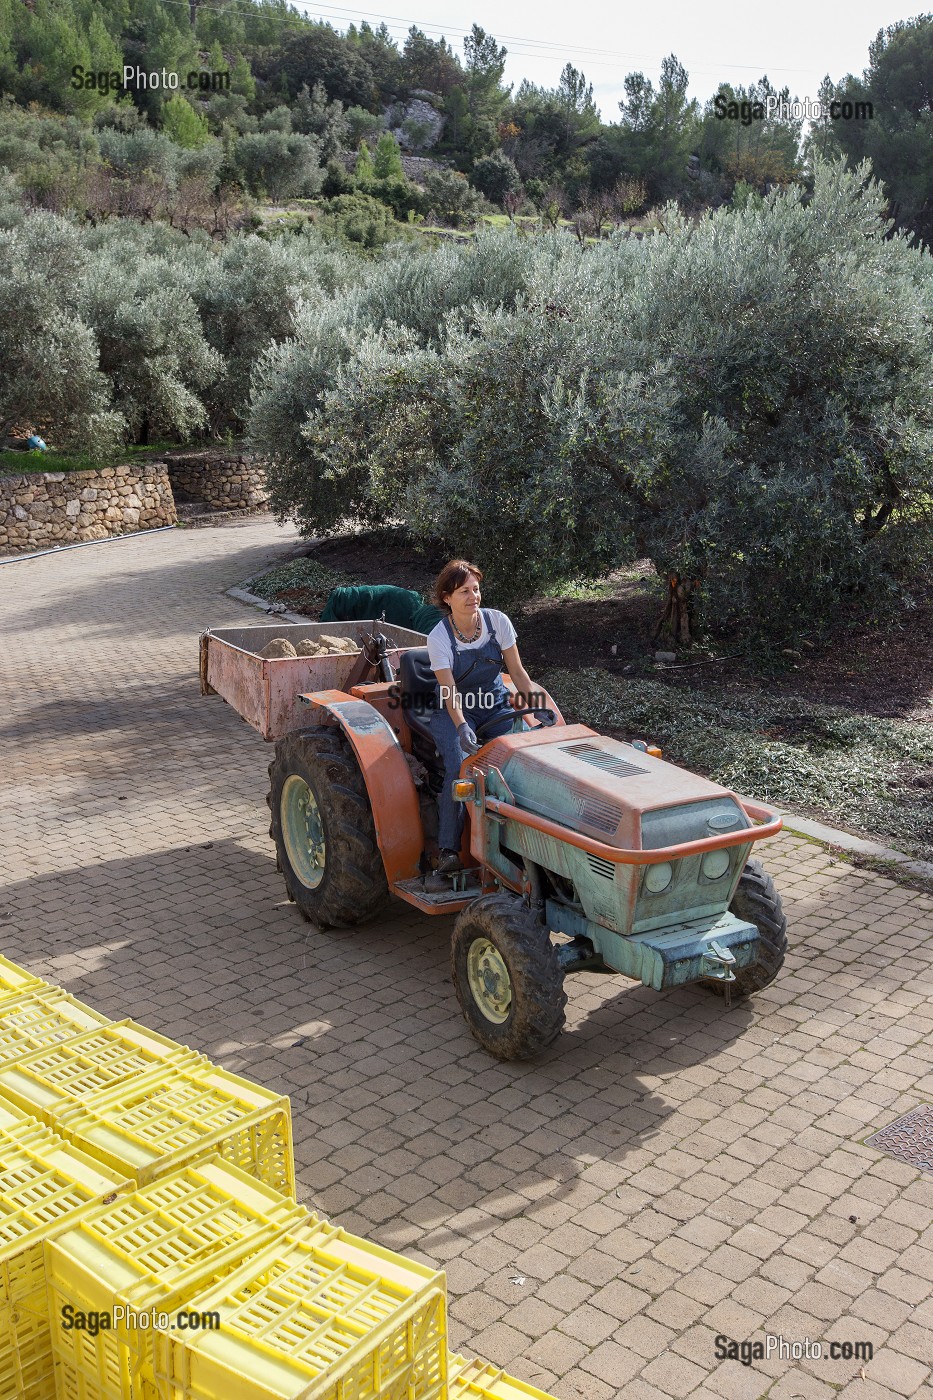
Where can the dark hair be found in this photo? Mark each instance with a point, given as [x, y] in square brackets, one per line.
[452, 577]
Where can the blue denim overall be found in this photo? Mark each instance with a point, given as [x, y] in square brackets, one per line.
[484, 700]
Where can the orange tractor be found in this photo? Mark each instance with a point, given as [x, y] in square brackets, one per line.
[579, 851]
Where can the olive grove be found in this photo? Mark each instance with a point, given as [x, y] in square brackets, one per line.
[744, 399]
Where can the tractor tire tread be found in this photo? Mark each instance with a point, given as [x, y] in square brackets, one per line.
[757, 901]
[537, 1016]
[354, 886]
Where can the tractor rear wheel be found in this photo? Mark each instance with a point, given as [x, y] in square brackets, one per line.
[509, 982]
[757, 902]
[323, 829]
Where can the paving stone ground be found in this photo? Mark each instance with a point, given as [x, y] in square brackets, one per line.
[670, 1171]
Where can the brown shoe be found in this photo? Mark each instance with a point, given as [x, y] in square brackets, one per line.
[449, 863]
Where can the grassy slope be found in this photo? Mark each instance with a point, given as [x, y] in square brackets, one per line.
[22, 463]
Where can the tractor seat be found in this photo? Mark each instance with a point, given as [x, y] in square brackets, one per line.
[419, 690]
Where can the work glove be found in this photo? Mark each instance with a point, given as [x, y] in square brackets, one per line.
[468, 740]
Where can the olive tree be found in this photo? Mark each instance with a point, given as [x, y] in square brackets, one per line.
[248, 294]
[797, 339]
[291, 377]
[151, 345]
[48, 351]
[282, 165]
[407, 295]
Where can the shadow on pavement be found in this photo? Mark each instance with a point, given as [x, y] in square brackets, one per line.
[201, 945]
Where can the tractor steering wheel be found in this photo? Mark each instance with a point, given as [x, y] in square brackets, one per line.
[546, 716]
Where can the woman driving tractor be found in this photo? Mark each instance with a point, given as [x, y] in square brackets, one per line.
[468, 650]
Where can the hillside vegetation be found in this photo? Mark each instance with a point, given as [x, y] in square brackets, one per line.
[269, 104]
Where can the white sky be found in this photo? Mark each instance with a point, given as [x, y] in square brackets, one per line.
[795, 42]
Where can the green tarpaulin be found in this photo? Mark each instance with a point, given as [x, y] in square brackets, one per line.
[402, 606]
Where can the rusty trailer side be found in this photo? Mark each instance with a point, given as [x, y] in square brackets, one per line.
[266, 691]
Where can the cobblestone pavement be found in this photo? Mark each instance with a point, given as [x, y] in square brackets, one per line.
[669, 1172]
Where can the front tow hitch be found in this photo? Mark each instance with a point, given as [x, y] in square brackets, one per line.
[719, 963]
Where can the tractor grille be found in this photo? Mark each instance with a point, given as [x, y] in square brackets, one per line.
[601, 867]
[599, 758]
[496, 756]
[538, 847]
[605, 816]
[607, 916]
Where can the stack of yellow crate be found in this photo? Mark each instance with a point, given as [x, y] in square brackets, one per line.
[144, 1105]
[141, 1183]
[321, 1314]
[44, 1184]
[15, 979]
[138, 1259]
[40, 1016]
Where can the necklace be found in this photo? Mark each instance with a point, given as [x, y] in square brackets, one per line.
[479, 628]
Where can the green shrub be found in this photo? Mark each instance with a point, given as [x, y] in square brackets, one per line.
[337, 180]
[450, 197]
[360, 124]
[183, 124]
[358, 218]
[364, 169]
[495, 176]
[398, 193]
[278, 164]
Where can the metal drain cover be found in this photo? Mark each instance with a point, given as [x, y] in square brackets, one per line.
[910, 1139]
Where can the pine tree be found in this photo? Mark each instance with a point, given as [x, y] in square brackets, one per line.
[388, 159]
[183, 124]
[365, 170]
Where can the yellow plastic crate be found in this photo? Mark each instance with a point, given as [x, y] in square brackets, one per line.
[18, 1128]
[14, 980]
[325, 1316]
[146, 1253]
[45, 1184]
[40, 1017]
[50, 1081]
[478, 1380]
[168, 1119]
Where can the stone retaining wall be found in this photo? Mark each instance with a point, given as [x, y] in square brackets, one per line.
[234, 482]
[41, 509]
[416, 168]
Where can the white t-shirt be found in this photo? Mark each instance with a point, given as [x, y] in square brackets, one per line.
[439, 649]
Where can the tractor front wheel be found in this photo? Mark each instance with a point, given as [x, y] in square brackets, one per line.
[322, 826]
[757, 902]
[509, 982]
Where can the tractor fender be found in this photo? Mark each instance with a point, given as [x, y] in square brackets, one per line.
[389, 784]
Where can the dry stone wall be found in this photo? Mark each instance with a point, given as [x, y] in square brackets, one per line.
[228, 482]
[39, 510]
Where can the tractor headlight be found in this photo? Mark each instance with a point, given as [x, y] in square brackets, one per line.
[715, 864]
[658, 877]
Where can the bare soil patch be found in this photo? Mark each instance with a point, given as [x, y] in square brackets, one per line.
[886, 672]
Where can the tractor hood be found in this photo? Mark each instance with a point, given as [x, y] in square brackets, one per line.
[609, 790]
